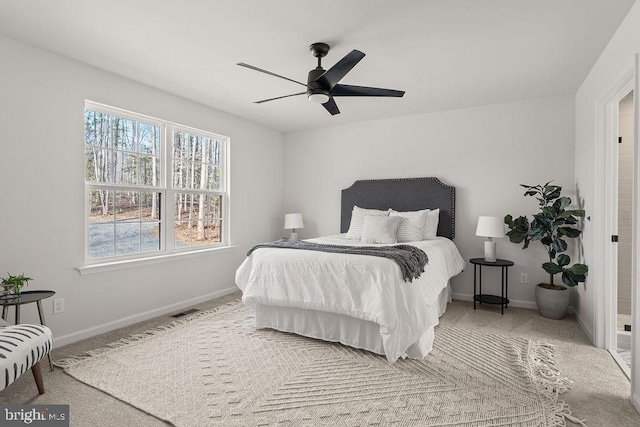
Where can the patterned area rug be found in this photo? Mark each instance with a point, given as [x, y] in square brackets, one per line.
[216, 369]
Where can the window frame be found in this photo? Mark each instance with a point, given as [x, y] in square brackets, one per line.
[164, 189]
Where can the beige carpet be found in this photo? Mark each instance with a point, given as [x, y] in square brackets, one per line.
[216, 369]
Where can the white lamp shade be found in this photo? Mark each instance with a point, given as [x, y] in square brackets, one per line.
[292, 221]
[490, 226]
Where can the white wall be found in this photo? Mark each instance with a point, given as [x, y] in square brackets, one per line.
[613, 65]
[42, 99]
[484, 152]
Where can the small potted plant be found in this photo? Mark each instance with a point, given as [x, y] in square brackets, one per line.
[551, 226]
[13, 284]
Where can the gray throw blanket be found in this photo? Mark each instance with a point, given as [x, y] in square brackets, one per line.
[411, 260]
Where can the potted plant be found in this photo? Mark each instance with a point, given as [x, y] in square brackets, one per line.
[13, 284]
[551, 226]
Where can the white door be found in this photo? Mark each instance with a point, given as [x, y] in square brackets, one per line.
[619, 189]
[625, 148]
[635, 295]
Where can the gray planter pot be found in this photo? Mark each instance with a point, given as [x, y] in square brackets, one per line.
[552, 303]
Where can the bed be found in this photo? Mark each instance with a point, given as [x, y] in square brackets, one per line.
[361, 301]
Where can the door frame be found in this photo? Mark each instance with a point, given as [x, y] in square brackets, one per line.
[635, 251]
[602, 248]
[606, 295]
[612, 213]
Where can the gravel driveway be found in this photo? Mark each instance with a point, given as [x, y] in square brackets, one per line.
[133, 237]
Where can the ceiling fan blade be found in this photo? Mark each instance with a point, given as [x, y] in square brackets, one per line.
[331, 106]
[349, 90]
[251, 67]
[334, 74]
[280, 97]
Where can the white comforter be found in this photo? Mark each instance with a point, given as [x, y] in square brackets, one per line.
[365, 287]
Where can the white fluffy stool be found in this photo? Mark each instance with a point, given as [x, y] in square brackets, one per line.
[21, 348]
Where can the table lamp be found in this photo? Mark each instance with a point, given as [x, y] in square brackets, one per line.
[291, 222]
[490, 227]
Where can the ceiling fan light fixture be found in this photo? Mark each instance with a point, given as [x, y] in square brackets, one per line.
[318, 98]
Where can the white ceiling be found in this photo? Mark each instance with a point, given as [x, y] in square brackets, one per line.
[445, 54]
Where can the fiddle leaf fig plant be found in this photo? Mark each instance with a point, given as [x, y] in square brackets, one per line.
[552, 225]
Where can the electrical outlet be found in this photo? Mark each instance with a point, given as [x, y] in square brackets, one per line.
[524, 277]
[58, 306]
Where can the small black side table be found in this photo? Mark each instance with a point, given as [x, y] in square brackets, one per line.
[478, 296]
[27, 297]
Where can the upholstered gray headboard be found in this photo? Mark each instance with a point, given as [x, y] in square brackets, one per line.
[402, 194]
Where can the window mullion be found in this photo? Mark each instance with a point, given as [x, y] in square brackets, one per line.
[167, 182]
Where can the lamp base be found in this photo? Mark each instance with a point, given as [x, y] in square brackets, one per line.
[294, 236]
[490, 251]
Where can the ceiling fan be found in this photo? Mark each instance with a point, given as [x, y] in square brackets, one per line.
[322, 86]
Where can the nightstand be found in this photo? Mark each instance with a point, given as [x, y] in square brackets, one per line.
[478, 296]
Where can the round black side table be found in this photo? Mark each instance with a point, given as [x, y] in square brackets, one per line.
[478, 296]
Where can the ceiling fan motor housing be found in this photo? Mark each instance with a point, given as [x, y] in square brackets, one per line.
[314, 88]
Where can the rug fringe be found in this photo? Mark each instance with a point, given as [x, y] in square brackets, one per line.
[71, 361]
[550, 382]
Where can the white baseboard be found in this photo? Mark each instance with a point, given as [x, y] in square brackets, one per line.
[512, 303]
[59, 341]
[587, 331]
[623, 340]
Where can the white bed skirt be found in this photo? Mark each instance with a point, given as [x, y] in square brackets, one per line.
[347, 330]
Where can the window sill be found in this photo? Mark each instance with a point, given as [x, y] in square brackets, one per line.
[130, 263]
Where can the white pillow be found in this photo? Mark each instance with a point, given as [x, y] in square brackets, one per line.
[357, 221]
[431, 226]
[411, 227]
[380, 229]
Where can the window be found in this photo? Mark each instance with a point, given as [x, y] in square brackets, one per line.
[152, 186]
[197, 173]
